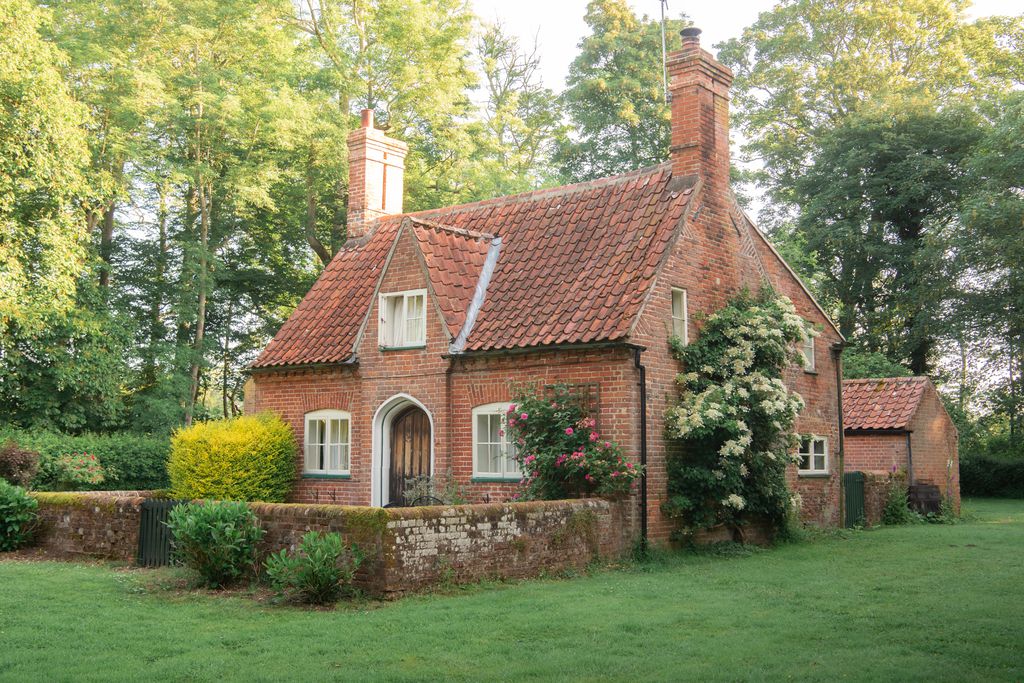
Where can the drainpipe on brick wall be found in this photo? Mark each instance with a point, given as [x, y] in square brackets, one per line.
[837, 360]
[637, 350]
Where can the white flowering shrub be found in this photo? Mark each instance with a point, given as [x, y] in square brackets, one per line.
[734, 419]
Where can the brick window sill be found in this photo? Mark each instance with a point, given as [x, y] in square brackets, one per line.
[494, 480]
[326, 476]
[403, 348]
[813, 475]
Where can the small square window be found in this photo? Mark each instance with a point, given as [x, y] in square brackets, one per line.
[680, 325]
[493, 454]
[403, 319]
[328, 442]
[813, 453]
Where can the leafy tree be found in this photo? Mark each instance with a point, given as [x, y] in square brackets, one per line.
[43, 153]
[869, 364]
[880, 205]
[806, 65]
[614, 94]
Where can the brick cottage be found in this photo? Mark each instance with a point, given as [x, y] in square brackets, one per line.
[399, 360]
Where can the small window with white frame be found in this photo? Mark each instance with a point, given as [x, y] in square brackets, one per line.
[680, 321]
[813, 454]
[493, 454]
[328, 443]
[403, 319]
[807, 349]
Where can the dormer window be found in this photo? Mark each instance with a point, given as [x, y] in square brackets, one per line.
[403, 319]
[680, 325]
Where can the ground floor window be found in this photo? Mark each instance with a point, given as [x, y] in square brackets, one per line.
[493, 455]
[813, 455]
[328, 440]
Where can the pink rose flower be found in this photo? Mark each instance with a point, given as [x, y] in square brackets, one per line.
[593, 436]
[523, 416]
[568, 431]
[607, 444]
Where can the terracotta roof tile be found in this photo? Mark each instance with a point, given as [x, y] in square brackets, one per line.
[887, 403]
[575, 265]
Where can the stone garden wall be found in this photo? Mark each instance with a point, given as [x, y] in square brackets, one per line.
[406, 549]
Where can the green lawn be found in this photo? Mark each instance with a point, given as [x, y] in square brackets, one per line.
[923, 602]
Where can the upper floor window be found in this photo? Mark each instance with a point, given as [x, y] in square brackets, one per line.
[807, 349]
[680, 327]
[813, 454]
[328, 441]
[403, 319]
[493, 455]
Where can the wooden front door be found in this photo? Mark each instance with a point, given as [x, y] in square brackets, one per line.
[410, 451]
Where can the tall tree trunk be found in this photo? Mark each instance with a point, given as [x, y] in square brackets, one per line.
[225, 361]
[156, 299]
[204, 195]
[321, 251]
[107, 242]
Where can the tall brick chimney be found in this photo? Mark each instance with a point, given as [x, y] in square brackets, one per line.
[699, 89]
[376, 170]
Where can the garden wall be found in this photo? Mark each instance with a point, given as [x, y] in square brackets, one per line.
[406, 549]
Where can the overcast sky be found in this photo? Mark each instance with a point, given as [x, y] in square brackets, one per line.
[559, 27]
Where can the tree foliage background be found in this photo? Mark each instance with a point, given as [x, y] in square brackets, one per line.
[173, 176]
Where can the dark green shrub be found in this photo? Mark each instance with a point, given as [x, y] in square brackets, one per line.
[18, 516]
[992, 477]
[318, 572]
[897, 510]
[18, 465]
[134, 461]
[215, 539]
[246, 458]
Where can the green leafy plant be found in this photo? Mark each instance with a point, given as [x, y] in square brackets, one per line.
[734, 418]
[76, 472]
[18, 516]
[18, 465]
[318, 572]
[442, 488]
[897, 509]
[559, 449]
[215, 539]
[247, 458]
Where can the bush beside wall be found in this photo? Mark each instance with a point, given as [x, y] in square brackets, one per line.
[992, 477]
[139, 462]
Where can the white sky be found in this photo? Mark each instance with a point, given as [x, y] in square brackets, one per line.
[558, 24]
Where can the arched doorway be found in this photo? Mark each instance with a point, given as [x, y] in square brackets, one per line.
[403, 447]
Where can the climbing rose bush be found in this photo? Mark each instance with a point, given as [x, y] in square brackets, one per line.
[734, 419]
[560, 450]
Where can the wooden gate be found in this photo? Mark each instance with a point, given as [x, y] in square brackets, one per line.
[410, 451]
[853, 488]
[154, 536]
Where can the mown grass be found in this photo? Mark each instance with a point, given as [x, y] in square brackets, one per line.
[913, 603]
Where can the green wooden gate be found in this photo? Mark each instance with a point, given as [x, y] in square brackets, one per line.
[154, 536]
[853, 487]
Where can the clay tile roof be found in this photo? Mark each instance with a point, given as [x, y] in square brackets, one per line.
[575, 265]
[886, 403]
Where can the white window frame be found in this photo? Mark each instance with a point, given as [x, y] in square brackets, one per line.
[509, 467]
[807, 350]
[384, 325]
[811, 439]
[682, 321]
[321, 452]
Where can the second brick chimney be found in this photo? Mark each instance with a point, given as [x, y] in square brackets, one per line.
[376, 170]
[699, 89]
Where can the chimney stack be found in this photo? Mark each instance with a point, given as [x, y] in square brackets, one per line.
[699, 90]
[376, 170]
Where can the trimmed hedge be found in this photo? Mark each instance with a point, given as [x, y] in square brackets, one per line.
[250, 458]
[990, 477]
[137, 461]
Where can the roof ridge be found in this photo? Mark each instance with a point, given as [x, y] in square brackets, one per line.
[544, 192]
[914, 378]
[462, 232]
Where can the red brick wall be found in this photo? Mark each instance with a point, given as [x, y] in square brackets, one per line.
[875, 452]
[933, 443]
[406, 549]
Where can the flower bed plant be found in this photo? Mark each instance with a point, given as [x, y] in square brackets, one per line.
[560, 450]
[18, 516]
[216, 540]
[318, 572]
[734, 418]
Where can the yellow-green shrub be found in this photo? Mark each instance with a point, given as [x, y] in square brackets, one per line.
[245, 458]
